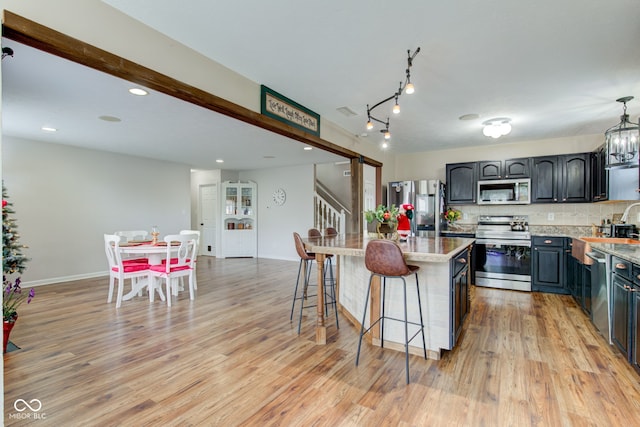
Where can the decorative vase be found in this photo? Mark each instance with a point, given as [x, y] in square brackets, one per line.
[387, 230]
[7, 327]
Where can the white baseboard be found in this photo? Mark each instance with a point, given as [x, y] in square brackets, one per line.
[54, 280]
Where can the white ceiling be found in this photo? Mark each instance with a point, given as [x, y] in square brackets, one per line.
[39, 89]
[554, 67]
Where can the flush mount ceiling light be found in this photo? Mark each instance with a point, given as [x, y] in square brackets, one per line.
[137, 91]
[406, 87]
[495, 128]
[622, 140]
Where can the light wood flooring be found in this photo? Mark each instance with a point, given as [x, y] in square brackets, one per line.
[232, 357]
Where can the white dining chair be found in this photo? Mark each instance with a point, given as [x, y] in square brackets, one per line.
[182, 264]
[197, 233]
[118, 270]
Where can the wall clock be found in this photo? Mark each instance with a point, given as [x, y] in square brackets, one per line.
[279, 197]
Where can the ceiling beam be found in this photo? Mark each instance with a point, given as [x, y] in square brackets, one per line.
[30, 33]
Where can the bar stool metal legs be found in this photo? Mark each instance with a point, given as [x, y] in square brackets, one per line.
[383, 316]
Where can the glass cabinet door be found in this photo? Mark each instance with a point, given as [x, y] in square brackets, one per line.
[231, 200]
[246, 201]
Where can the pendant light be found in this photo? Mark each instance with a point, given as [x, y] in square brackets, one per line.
[622, 140]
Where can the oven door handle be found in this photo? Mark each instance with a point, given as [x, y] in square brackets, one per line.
[504, 242]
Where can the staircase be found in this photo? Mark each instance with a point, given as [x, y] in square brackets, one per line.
[325, 215]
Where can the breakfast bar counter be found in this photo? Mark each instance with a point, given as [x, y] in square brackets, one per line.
[435, 256]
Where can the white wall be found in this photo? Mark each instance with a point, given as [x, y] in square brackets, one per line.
[66, 198]
[276, 224]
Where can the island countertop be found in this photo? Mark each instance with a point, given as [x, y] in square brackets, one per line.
[427, 249]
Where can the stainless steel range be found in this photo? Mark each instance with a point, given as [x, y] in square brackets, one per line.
[503, 252]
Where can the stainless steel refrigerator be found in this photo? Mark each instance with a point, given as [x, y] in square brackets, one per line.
[428, 198]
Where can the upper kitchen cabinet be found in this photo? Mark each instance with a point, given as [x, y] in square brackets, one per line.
[599, 175]
[462, 179]
[576, 178]
[561, 179]
[545, 175]
[507, 169]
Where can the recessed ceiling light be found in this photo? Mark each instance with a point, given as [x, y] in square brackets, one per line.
[110, 118]
[219, 161]
[472, 116]
[307, 148]
[49, 129]
[137, 91]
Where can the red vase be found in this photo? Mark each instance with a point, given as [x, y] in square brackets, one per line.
[6, 330]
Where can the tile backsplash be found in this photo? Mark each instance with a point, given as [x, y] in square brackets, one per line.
[553, 214]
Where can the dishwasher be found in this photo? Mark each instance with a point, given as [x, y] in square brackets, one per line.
[600, 291]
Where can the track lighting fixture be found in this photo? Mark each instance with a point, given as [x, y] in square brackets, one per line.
[406, 87]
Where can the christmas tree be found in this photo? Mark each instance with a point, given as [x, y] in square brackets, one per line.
[13, 261]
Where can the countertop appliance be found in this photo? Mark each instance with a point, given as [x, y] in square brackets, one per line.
[504, 192]
[428, 198]
[623, 230]
[503, 252]
[600, 291]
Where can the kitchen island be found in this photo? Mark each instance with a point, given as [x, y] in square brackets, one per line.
[438, 259]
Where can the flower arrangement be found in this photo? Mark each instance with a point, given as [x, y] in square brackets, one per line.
[12, 298]
[382, 214]
[452, 215]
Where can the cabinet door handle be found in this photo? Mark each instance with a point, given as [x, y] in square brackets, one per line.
[548, 242]
[462, 260]
[621, 266]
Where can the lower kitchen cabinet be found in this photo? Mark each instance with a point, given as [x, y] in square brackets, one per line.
[578, 282]
[460, 301]
[548, 264]
[635, 353]
[625, 309]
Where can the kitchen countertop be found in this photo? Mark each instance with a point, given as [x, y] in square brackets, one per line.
[627, 252]
[426, 249]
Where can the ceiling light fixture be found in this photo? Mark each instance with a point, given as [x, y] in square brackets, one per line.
[137, 91]
[49, 129]
[495, 128]
[406, 87]
[307, 148]
[622, 140]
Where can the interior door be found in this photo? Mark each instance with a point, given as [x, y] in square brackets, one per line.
[208, 218]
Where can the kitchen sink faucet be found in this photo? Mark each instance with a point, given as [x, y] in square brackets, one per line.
[625, 215]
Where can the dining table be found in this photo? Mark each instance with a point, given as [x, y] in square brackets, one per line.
[155, 253]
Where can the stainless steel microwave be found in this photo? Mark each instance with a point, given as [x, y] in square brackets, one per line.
[504, 192]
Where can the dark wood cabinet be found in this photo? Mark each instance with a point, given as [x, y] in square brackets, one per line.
[548, 264]
[517, 168]
[490, 169]
[545, 175]
[575, 185]
[508, 169]
[462, 181]
[561, 179]
[620, 302]
[460, 301]
[599, 175]
[635, 353]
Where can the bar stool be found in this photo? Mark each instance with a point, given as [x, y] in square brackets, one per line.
[307, 258]
[314, 233]
[384, 258]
